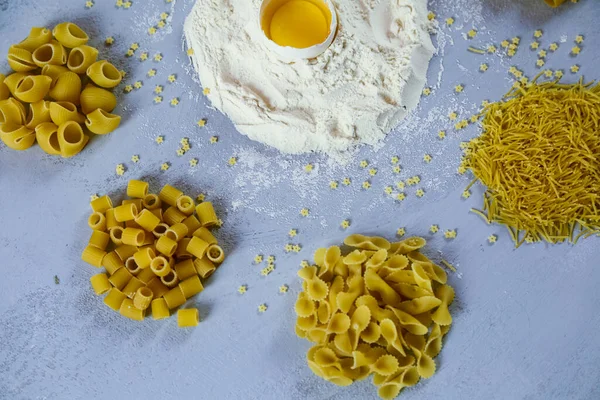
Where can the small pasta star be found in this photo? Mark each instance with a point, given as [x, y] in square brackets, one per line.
[534, 45]
[373, 171]
[262, 308]
[388, 190]
[190, 52]
[258, 259]
[492, 239]
[452, 116]
[200, 198]
[172, 78]
[345, 224]
[120, 169]
[364, 164]
[135, 158]
[201, 123]
[160, 139]
[109, 40]
[430, 15]
[483, 67]
[127, 4]
[427, 158]
[242, 289]
[466, 194]
[450, 234]
[94, 197]
[461, 169]
[158, 99]
[474, 118]
[308, 168]
[164, 166]
[472, 33]
[524, 80]
[397, 169]
[158, 89]
[400, 185]
[232, 161]
[553, 46]
[152, 30]
[161, 24]
[292, 233]
[193, 162]
[442, 134]
[304, 264]
[579, 39]
[559, 73]
[576, 50]
[491, 49]
[138, 84]
[485, 103]
[434, 228]
[538, 33]
[304, 212]
[288, 247]
[144, 56]
[449, 21]
[516, 40]
[333, 185]
[395, 160]
[542, 54]
[461, 124]
[504, 43]
[459, 88]
[158, 57]
[283, 289]
[366, 185]
[271, 259]
[548, 73]
[401, 232]
[164, 15]
[128, 88]
[184, 140]
[400, 196]
[420, 193]
[119, 3]
[180, 152]
[206, 91]
[346, 181]
[426, 91]
[296, 248]
[511, 52]
[152, 72]
[214, 139]
[540, 63]
[574, 69]
[89, 4]
[174, 101]
[129, 53]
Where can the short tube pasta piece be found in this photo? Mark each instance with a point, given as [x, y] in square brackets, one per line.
[160, 266]
[206, 214]
[173, 216]
[125, 251]
[126, 212]
[151, 201]
[133, 236]
[191, 286]
[182, 253]
[147, 220]
[101, 122]
[114, 299]
[160, 230]
[185, 204]
[188, 317]
[149, 240]
[99, 239]
[70, 138]
[160, 310]
[137, 189]
[142, 298]
[112, 262]
[100, 283]
[158, 212]
[128, 310]
[204, 267]
[132, 287]
[104, 74]
[166, 246]
[205, 235]
[97, 221]
[93, 255]
[157, 287]
[146, 275]
[169, 195]
[132, 266]
[111, 221]
[101, 204]
[93, 98]
[120, 278]
[192, 224]
[177, 231]
[185, 269]
[33, 88]
[70, 35]
[137, 202]
[174, 297]
[81, 57]
[215, 254]
[144, 257]
[171, 279]
[197, 247]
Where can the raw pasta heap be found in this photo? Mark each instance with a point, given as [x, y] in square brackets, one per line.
[43, 99]
[539, 158]
[155, 249]
[382, 309]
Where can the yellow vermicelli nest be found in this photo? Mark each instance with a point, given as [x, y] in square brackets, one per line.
[538, 156]
[155, 249]
[381, 309]
[59, 92]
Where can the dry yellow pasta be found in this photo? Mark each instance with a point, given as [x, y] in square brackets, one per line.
[37, 37]
[66, 87]
[101, 122]
[33, 88]
[93, 98]
[52, 53]
[70, 35]
[81, 57]
[39, 113]
[206, 214]
[536, 158]
[150, 265]
[381, 309]
[104, 74]
[187, 318]
[20, 60]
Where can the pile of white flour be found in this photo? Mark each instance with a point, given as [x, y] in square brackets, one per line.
[355, 92]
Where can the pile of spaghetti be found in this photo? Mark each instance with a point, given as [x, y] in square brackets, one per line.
[539, 157]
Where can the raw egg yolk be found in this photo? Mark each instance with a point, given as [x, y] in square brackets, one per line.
[299, 24]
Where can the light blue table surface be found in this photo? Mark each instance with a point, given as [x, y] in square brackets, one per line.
[526, 320]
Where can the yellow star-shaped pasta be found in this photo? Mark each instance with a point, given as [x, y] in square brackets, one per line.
[134, 46]
[164, 166]
[397, 169]
[346, 181]
[180, 152]
[483, 67]
[120, 169]
[548, 73]
[534, 45]
[151, 73]
[185, 146]
[258, 259]
[296, 248]
[152, 30]
[214, 139]
[333, 185]
[201, 123]
[426, 91]
[304, 212]
[449, 21]
[364, 164]
[190, 52]
[450, 234]
[158, 99]
[200, 198]
[242, 289]
[373, 171]
[492, 238]
[262, 308]
[288, 247]
[400, 185]
[89, 4]
[128, 88]
[427, 158]
[184, 140]
[452, 116]
[388, 190]
[410, 182]
[516, 40]
[540, 63]
[395, 160]
[366, 185]
[401, 232]
[206, 91]
[232, 161]
[553, 46]
[472, 33]
[283, 289]
[579, 39]
[574, 69]
[308, 168]
[504, 43]
[466, 194]
[576, 50]
[345, 224]
[94, 197]
[135, 158]
[174, 101]
[430, 15]
[511, 52]
[485, 103]
[459, 88]
[542, 54]
[474, 118]
[109, 40]
[158, 89]
[119, 3]
[161, 24]
[512, 70]
[538, 33]
[158, 57]
[434, 229]
[442, 134]
[461, 169]
[164, 15]
[193, 162]
[172, 78]
[292, 233]
[559, 73]
[400, 196]
[416, 179]
[144, 56]
[138, 84]
[491, 49]
[271, 259]
[304, 264]
[127, 4]
[461, 124]
[159, 139]
[420, 193]
[129, 53]
[519, 74]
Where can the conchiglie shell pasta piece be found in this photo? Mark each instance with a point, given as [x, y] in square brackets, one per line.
[81, 57]
[12, 112]
[63, 111]
[53, 71]
[104, 74]
[4, 92]
[93, 97]
[37, 37]
[17, 137]
[33, 88]
[20, 60]
[70, 35]
[13, 80]
[39, 112]
[66, 87]
[101, 122]
[46, 134]
[71, 139]
[50, 53]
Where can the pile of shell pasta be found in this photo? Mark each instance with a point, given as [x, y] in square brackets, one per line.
[155, 249]
[382, 309]
[43, 99]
